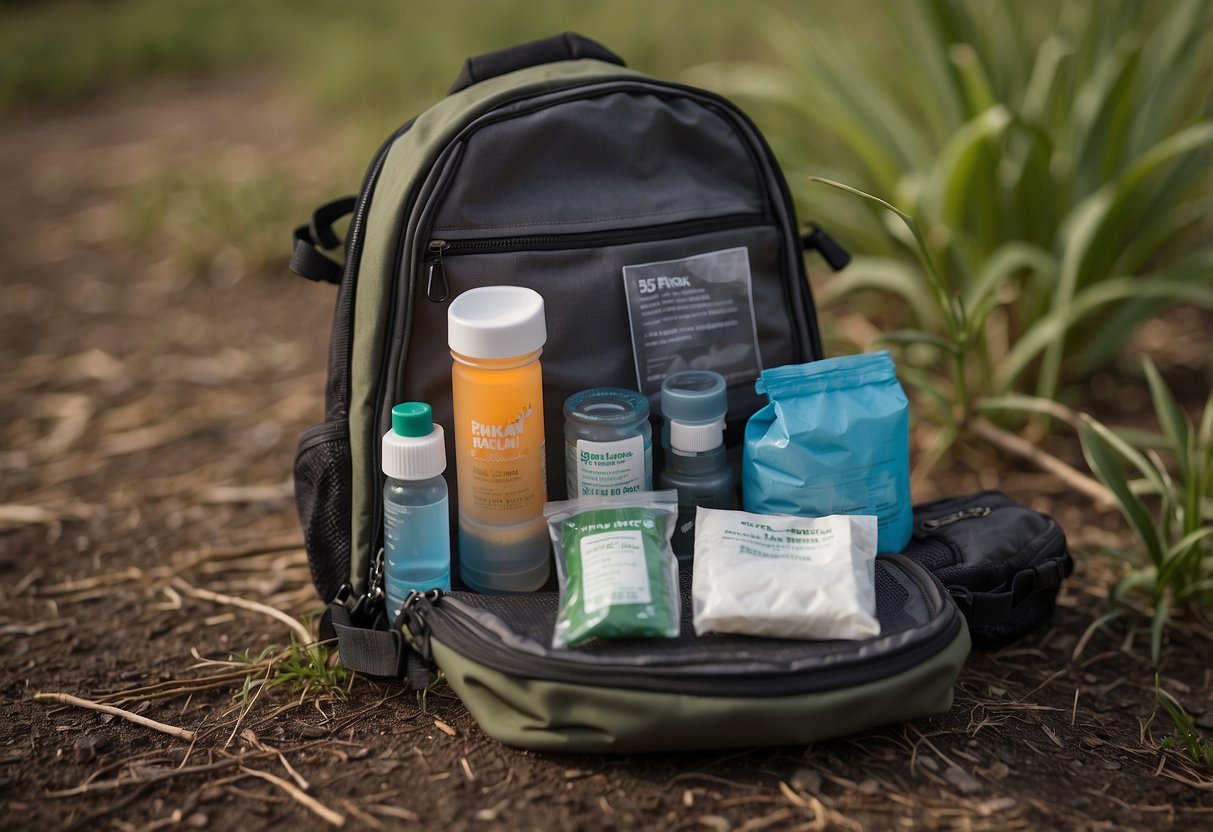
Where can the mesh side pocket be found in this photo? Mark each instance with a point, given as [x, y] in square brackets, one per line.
[323, 480]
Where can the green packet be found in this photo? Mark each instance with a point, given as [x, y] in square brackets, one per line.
[618, 575]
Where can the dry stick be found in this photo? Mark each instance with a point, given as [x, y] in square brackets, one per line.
[1046, 461]
[306, 800]
[68, 699]
[189, 589]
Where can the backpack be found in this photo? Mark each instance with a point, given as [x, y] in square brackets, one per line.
[550, 165]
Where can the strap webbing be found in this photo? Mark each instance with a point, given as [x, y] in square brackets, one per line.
[990, 609]
[306, 260]
[363, 649]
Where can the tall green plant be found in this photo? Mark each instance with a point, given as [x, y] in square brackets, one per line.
[1178, 536]
[1056, 157]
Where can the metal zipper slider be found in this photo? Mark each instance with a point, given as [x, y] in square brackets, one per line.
[436, 287]
[963, 514]
[414, 618]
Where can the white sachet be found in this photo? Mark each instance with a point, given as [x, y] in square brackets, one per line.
[785, 577]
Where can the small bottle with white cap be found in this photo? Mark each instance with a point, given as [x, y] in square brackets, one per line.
[416, 526]
[694, 404]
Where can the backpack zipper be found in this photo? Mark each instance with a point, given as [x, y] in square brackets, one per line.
[446, 618]
[437, 287]
[956, 517]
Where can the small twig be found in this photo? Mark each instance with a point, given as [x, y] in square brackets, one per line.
[67, 699]
[1044, 460]
[189, 589]
[37, 627]
[307, 801]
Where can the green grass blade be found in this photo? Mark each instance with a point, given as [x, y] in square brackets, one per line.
[1188, 543]
[1106, 465]
[1046, 78]
[1171, 418]
[1009, 259]
[1056, 326]
[1157, 624]
[936, 284]
[979, 92]
[962, 188]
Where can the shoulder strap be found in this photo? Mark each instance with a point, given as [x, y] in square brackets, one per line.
[307, 261]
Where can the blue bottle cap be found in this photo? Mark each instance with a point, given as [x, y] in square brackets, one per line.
[694, 397]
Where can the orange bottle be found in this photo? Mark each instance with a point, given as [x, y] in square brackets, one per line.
[496, 334]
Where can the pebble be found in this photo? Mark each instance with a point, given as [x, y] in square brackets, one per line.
[964, 782]
[928, 762]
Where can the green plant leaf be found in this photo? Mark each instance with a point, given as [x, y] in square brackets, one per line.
[1171, 418]
[1007, 260]
[1184, 554]
[1106, 465]
[938, 289]
[1051, 330]
[962, 186]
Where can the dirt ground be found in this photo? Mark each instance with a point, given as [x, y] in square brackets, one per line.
[148, 418]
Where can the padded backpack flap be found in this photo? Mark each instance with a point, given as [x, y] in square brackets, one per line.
[1002, 562]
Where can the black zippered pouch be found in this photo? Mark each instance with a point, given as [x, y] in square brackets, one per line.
[1002, 562]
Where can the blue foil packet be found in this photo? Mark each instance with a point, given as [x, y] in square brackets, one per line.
[833, 439]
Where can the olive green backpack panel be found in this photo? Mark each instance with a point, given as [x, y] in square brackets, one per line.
[408, 160]
[553, 716]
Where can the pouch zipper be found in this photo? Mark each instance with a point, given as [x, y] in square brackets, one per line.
[956, 517]
[446, 618]
[438, 288]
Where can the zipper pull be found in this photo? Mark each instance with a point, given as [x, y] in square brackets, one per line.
[436, 287]
[835, 255]
[963, 514]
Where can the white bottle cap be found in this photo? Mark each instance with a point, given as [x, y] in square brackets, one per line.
[415, 448]
[694, 439]
[496, 322]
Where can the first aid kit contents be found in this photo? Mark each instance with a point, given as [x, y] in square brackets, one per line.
[618, 576]
[608, 443]
[694, 404]
[785, 577]
[496, 334]
[833, 439]
[416, 536]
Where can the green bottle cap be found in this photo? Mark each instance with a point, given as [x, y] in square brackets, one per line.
[412, 419]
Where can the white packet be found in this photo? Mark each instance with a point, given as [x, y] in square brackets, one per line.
[785, 577]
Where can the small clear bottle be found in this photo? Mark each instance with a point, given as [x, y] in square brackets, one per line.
[416, 525]
[694, 404]
[608, 443]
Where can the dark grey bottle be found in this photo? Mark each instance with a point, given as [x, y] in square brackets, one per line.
[694, 404]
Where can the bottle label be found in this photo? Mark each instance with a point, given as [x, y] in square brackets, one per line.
[507, 476]
[693, 312]
[606, 469]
